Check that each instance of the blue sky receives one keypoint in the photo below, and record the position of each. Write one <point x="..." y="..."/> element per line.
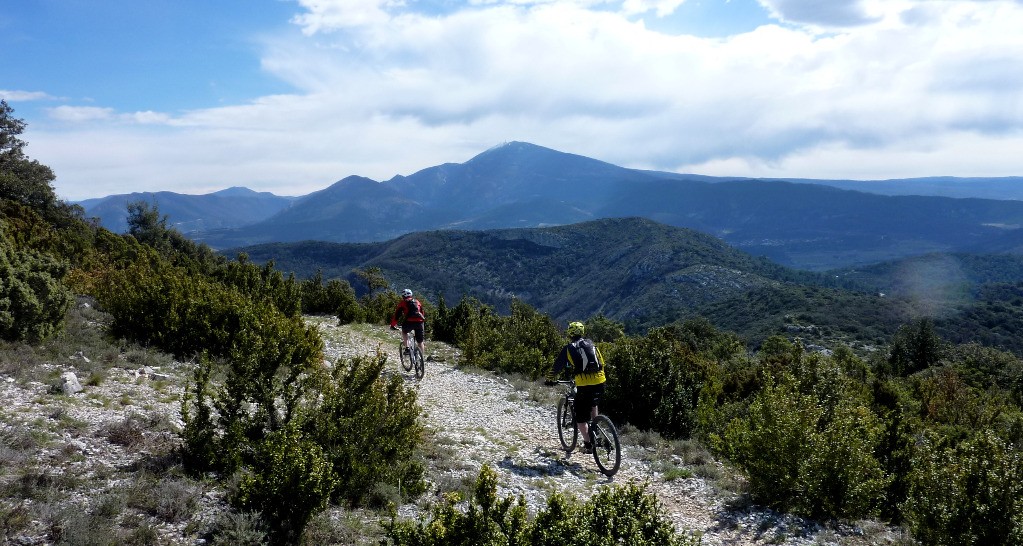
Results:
<point x="289" y="96"/>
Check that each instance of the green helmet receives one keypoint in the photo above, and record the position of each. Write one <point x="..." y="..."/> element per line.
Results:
<point x="575" y="329"/>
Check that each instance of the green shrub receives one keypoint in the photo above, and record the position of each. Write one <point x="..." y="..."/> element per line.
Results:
<point x="967" y="494"/>
<point x="33" y="297"/>
<point x="603" y="329"/>
<point x="156" y="303"/>
<point x="289" y="480"/>
<point x="525" y="342"/>
<point x="262" y="284"/>
<point x="471" y="324"/>
<point x="172" y="499"/>
<point x="798" y="460"/>
<point x="615" y="515"/>
<point x="379" y="307"/>
<point x="337" y="297"/>
<point x="443" y="329"/>
<point x="915" y="347"/>
<point x="370" y="430"/>
<point x="299" y="441"/>
<point x="655" y="382"/>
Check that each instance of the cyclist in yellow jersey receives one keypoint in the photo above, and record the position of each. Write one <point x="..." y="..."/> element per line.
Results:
<point x="582" y="357"/>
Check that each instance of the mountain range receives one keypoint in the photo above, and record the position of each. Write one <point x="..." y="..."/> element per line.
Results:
<point x="805" y="224"/>
<point x="189" y="214"/>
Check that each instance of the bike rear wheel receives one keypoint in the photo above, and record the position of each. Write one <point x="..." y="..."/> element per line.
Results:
<point x="406" y="359"/>
<point x="420" y="364"/>
<point x="568" y="434"/>
<point x="607" y="449"/>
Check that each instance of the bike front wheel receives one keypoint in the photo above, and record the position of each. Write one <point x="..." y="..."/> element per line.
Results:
<point x="420" y="364"/>
<point x="607" y="449"/>
<point x="406" y="359"/>
<point x="568" y="434"/>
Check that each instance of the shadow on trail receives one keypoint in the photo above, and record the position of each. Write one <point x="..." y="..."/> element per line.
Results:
<point x="550" y="465"/>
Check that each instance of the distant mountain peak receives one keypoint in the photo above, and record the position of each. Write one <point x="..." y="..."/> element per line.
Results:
<point x="352" y="180"/>
<point x="516" y="148"/>
<point x="234" y="191"/>
<point x="516" y="145"/>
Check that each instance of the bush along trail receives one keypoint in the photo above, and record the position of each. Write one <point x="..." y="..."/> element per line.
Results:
<point x="476" y="418"/>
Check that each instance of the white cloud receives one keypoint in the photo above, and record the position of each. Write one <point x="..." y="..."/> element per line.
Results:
<point x="13" y="95"/>
<point x="962" y="154"/>
<point x="78" y="114"/>
<point x="661" y="7"/>
<point x="149" y="117"/>
<point x="328" y="15"/>
<point x="830" y="13"/>
<point x="893" y="88"/>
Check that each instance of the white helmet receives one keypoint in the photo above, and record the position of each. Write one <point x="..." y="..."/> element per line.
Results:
<point x="406" y="293"/>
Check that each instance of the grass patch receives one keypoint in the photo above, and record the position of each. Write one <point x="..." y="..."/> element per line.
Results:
<point x="38" y="485"/>
<point x="127" y="432"/>
<point x="171" y="499"/>
<point x="337" y="527"/>
<point x="533" y="391"/>
<point x="96" y="378"/>
<point x="232" y="528"/>
<point x="443" y="453"/>
<point x="676" y="473"/>
<point x="20" y="361"/>
<point x="14" y="518"/>
<point x="138" y="357"/>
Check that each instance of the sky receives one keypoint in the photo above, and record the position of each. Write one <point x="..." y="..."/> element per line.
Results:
<point x="289" y="96"/>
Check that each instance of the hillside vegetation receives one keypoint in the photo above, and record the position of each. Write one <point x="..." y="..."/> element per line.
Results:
<point x="645" y="274"/>
<point x="919" y="432"/>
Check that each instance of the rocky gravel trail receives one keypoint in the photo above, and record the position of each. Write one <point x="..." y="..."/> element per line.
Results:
<point x="488" y="420"/>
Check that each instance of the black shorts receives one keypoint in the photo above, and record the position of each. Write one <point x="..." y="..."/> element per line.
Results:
<point x="587" y="398"/>
<point x="416" y="327"/>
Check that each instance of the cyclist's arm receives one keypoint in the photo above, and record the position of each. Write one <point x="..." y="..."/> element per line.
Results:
<point x="560" y="363"/>
<point x="397" y="311"/>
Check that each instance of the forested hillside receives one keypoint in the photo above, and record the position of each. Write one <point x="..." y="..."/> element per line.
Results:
<point x="644" y="274"/>
<point x="633" y="270"/>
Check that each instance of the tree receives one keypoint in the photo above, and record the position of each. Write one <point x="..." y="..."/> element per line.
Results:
<point x="22" y="180"/>
<point x="10" y="128"/>
<point x="373" y="277"/>
<point x="915" y="347"/>
<point x="147" y="226"/>
<point x="601" y="328"/>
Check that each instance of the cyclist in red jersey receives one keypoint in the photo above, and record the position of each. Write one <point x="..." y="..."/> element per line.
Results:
<point x="414" y="321"/>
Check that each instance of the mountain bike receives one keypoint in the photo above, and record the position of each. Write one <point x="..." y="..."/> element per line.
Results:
<point x="411" y="357"/>
<point x="607" y="449"/>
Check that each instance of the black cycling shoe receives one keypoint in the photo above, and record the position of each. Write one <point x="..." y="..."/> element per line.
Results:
<point x="587" y="448"/>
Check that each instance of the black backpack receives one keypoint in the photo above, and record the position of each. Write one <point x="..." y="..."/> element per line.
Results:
<point x="413" y="309"/>
<point x="586" y="358"/>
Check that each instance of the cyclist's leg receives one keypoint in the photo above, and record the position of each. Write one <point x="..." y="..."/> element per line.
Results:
<point x="420" y="331"/>
<point x="406" y="327"/>
<point x="583" y="408"/>
<point x="598" y="394"/>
